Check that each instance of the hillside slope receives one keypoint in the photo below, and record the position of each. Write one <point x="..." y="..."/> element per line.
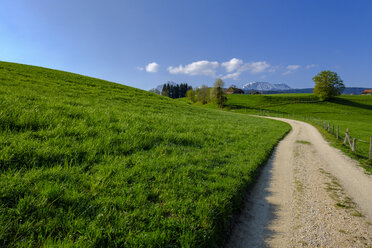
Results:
<point x="85" y="162"/>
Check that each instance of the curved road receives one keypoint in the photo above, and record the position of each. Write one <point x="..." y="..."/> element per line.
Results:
<point x="308" y="195"/>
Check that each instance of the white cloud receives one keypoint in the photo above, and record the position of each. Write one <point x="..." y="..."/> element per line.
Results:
<point x="203" y="67"/>
<point x="152" y="67"/>
<point x="291" y="69"/>
<point x="275" y="68"/>
<point x="256" y="67"/>
<point x="140" y="68"/>
<point x="234" y="75"/>
<point x="232" y="65"/>
<point x="234" y="68"/>
<point x="252" y="67"/>
<point x="311" y="66"/>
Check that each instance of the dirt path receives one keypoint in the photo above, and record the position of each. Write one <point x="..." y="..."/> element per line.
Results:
<point x="308" y="195"/>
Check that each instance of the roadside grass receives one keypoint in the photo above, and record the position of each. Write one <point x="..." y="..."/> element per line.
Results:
<point x="90" y="163"/>
<point x="353" y="112"/>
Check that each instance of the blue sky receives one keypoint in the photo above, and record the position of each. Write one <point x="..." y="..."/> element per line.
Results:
<point x="146" y="43"/>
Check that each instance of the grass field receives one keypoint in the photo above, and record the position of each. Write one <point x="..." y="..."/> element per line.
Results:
<point x="353" y="112"/>
<point x="90" y="163"/>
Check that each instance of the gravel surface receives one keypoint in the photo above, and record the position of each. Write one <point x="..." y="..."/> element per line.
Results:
<point x="308" y="195"/>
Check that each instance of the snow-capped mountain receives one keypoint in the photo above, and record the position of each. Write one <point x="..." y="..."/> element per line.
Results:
<point x="264" y="86"/>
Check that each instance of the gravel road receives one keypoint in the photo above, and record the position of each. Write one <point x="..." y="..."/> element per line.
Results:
<point x="308" y="195"/>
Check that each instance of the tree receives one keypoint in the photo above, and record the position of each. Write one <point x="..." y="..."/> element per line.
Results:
<point x="176" y="93"/>
<point x="203" y="94"/>
<point x="218" y="95"/>
<point x="168" y="90"/>
<point x="183" y="90"/>
<point x="327" y="85"/>
<point x="171" y="91"/>
<point x="191" y="95"/>
<point x="164" y="91"/>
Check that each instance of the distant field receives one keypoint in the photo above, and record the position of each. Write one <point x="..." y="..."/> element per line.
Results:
<point x="90" y="163"/>
<point x="353" y="112"/>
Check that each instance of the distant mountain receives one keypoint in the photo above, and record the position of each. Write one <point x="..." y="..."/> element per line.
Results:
<point x="347" y="91"/>
<point x="264" y="86"/>
<point x="305" y="90"/>
<point x="282" y="86"/>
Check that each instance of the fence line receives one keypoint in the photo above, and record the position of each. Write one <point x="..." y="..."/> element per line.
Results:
<point x="370" y="149"/>
<point x="348" y="140"/>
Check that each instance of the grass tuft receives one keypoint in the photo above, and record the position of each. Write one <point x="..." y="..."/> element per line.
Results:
<point x="303" y="142"/>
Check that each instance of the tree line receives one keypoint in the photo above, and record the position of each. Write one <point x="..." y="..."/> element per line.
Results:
<point x="327" y="85"/>
<point x="205" y="95"/>
<point x="175" y="91"/>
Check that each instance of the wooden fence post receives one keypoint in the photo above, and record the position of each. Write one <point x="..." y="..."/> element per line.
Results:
<point x="348" y="139"/>
<point x="354" y="145"/>
<point x="346" y="135"/>
<point x="337" y="132"/>
<point x="328" y="127"/>
<point x="370" y="149"/>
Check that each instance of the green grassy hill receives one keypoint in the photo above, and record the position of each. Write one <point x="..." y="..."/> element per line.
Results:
<point x="90" y="163"/>
<point x="353" y="112"/>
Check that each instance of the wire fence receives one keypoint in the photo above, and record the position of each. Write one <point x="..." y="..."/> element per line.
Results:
<point x="348" y="140"/>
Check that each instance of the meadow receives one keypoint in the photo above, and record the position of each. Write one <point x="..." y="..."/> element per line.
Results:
<point x="89" y="163"/>
<point x="346" y="111"/>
